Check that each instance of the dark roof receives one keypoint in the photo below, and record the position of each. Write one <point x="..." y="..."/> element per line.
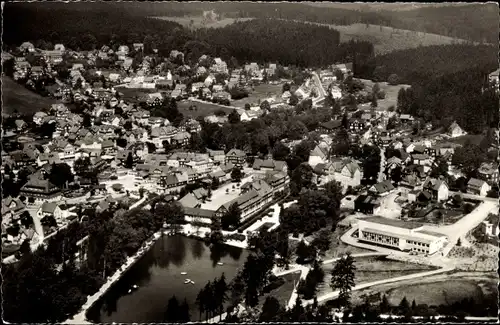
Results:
<point x="199" y="212"/>
<point x="384" y="186"/>
<point x="330" y="125"/>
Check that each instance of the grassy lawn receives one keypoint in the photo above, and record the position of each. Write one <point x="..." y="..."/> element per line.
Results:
<point x="339" y="248"/>
<point x="199" y="23"/>
<point x="284" y="291"/>
<point x="473" y="138"/>
<point x="370" y="269"/>
<point x="132" y="94"/>
<point x="261" y="92"/>
<point x="437" y="293"/>
<point x="17" y="97"/>
<point x="202" y="109"/>
<point x="391" y="94"/>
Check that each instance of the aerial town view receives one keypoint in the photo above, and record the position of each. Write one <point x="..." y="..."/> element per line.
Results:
<point x="249" y="162"/>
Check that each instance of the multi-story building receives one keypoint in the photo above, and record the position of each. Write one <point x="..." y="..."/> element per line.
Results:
<point x="400" y="235"/>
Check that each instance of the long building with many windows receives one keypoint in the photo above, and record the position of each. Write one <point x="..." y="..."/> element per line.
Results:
<point x="400" y="235"/>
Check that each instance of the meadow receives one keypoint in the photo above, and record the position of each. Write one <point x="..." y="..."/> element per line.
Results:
<point x="16" y="97"/>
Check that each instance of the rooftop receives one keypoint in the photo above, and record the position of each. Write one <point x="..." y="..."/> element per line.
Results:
<point x="393" y="222"/>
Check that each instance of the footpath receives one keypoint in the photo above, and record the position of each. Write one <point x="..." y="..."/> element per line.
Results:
<point x="80" y="318"/>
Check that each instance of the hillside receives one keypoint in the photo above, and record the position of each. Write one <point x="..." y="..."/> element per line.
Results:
<point x="16" y="97"/>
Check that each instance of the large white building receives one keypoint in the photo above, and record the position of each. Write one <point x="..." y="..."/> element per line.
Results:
<point x="400" y="235"/>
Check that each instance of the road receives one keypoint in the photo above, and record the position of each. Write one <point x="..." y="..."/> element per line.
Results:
<point x="473" y="197"/>
<point x="464" y="225"/>
<point x="334" y="294"/>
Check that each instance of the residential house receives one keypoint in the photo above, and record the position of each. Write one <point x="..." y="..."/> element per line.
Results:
<point x="181" y="139"/>
<point x="199" y="216"/>
<point x="247" y="115"/>
<point x="478" y="187"/>
<point x="437" y="188"/>
<point x="406" y="119"/>
<point x="356" y="124"/>
<point x="269" y="165"/>
<point x="12" y="208"/>
<point x="217" y="156"/>
<point x="329" y="127"/>
<point x="493" y="77"/>
<point x="366" y="204"/>
<point x="27" y="46"/>
<point x="49" y="209"/>
<point x="319" y="155"/>
<point x="488" y="172"/>
<point x="345" y="171"/>
<point x="455" y="130"/>
<point x="40" y="189"/>
<point x="382" y="188"/>
<point x="422" y="160"/>
<point x="220" y="175"/>
<point x="219" y="66"/>
<point x="189" y="201"/>
<point x="236" y="157"/>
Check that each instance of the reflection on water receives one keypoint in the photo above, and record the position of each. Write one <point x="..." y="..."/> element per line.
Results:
<point x="157" y="275"/>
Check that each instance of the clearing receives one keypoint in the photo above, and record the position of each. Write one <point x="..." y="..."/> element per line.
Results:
<point x="195" y="22"/>
<point x="391" y="94"/>
<point x="388" y="39"/>
<point x="369" y="269"/>
<point x="338" y="248"/>
<point x="17" y="97"/>
<point x="434" y="290"/>
<point x="202" y="108"/>
<point x="260" y="92"/>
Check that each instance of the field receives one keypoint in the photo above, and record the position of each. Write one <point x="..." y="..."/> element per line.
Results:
<point x="370" y="269"/>
<point x="434" y="290"/>
<point x="198" y="21"/>
<point x="260" y="92"/>
<point x="202" y="109"/>
<point x="388" y="39"/>
<point x="17" y="97"/>
<point x="391" y="94"/>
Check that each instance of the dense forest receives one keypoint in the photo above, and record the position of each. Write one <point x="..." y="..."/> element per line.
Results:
<point x="448" y="82"/>
<point x="475" y="22"/>
<point x="260" y="40"/>
<point x="424" y="63"/>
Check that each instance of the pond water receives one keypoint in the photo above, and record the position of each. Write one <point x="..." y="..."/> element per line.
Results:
<point x="158" y="277"/>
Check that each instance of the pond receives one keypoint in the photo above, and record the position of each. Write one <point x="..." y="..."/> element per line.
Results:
<point x="158" y="277"/>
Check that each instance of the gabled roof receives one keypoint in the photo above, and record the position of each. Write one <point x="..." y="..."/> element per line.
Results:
<point x="277" y="165"/>
<point x="475" y="183"/>
<point x="236" y="153"/>
<point x="384" y="187"/>
<point x="331" y="125"/>
<point x="189" y="201"/>
<point x="433" y="184"/>
<point x="49" y="207"/>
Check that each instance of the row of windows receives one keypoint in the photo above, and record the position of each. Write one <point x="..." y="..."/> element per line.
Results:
<point x="381" y="238"/>
<point x="412" y="242"/>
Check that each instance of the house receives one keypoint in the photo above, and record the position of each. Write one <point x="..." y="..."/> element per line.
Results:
<point x="189" y="201"/>
<point x="49" y="209"/>
<point x="393" y="162"/>
<point x="12" y="207"/>
<point x="40" y="189"/>
<point x="406" y="119"/>
<point x="329" y="127"/>
<point x="269" y="165"/>
<point x="345" y="171"/>
<point x="382" y="188"/>
<point x="455" y="130"/>
<point x="421" y="159"/>
<point x="489" y="228"/>
<point x="236" y="157"/>
<point x="488" y="172"/>
<point x="478" y="187"/>
<point x="367" y="204"/>
<point x="220" y="175"/>
<point x="217" y="156"/>
<point x="437" y="188"/>
<point x="181" y="139"/>
<point x="318" y="155"/>
<point x="356" y="124"/>
<point x="138" y="46"/>
<point x="199" y="216"/>
<point x="219" y="66"/>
